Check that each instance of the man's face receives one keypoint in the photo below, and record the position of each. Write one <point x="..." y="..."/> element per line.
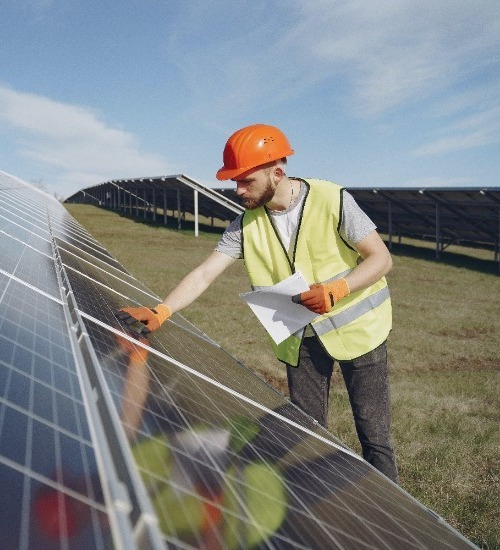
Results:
<point x="255" y="188"/>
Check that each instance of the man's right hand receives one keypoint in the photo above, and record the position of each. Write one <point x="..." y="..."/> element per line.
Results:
<point x="151" y="318"/>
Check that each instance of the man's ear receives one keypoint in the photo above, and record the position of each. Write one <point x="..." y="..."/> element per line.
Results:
<point x="278" y="173"/>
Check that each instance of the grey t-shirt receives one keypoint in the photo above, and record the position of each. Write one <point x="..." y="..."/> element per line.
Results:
<point x="355" y="226"/>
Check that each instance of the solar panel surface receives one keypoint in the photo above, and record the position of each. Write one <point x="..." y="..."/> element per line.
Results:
<point x="108" y="441"/>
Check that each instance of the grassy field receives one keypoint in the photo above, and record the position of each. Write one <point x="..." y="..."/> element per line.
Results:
<point x="444" y="357"/>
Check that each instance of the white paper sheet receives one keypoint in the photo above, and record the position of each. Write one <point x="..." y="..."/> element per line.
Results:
<point x="274" y="308"/>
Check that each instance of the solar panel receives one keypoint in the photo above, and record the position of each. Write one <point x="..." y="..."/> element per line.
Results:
<point x="146" y="197"/>
<point x="107" y="440"/>
<point x="449" y="215"/>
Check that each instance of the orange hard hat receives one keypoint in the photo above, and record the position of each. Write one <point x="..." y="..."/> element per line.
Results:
<point x="250" y="147"/>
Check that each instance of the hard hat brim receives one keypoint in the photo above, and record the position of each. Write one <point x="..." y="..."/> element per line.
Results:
<point x="231" y="173"/>
<point x="226" y="174"/>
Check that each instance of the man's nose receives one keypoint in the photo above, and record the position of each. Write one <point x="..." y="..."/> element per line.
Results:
<point x="240" y="189"/>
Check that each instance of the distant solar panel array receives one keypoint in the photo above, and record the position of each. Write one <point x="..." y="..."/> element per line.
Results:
<point x="110" y="441"/>
<point x="152" y="198"/>
<point x="444" y="215"/>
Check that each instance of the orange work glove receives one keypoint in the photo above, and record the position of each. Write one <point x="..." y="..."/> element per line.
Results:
<point x="151" y="318"/>
<point x="321" y="298"/>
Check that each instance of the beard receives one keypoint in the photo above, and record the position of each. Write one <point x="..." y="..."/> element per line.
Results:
<point x="252" y="203"/>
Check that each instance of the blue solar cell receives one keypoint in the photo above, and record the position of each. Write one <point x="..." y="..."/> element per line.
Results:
<point x="12" y="508"/>
<point x="13" y="423"/>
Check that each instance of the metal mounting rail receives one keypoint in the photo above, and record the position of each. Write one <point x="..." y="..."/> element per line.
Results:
<point x="133" y="523"/>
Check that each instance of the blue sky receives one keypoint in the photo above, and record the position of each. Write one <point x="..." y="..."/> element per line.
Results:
<point x="399" y="93"/>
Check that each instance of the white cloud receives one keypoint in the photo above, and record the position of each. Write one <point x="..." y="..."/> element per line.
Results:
<point x="74" y="140"/>
<point x="468" y="132"/>
<point x="386" y="54"/>
<point x="411" y="54"/>
<point x="395" y="52"/>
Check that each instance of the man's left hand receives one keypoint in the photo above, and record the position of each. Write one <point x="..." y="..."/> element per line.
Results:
<point x="321" y="298"/>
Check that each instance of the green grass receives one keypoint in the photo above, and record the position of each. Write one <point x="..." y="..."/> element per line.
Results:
<point x="444" y="357"/>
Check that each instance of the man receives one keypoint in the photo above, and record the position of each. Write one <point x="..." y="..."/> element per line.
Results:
<point x="315" y="227"/>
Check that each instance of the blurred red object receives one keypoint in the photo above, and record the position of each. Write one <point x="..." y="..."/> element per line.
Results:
<point x="58" y="515"/>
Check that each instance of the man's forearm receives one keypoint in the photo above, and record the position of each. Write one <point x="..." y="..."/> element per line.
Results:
<point x="377" y="262"/>
<point x="197" y="281"/>
<point x="187" y="291"/>
<point x="368" y="272"/>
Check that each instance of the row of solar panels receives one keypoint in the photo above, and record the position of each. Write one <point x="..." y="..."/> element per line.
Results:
<point x="447" y="215"/>
<point x="109" y="441"/>
<point x="145" y="197"/>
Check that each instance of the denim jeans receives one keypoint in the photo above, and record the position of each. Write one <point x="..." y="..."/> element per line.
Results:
<point x="367" y="382"/>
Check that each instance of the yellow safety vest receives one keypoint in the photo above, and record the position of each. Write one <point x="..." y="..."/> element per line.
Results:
<point x="359" y="322"/>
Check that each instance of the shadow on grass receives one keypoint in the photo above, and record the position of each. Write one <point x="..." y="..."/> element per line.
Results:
<point x="454" y="259"/>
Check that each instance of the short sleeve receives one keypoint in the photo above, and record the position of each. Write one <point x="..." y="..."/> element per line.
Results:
<point x="231" y="242"/>
<point x="355" y="225"/>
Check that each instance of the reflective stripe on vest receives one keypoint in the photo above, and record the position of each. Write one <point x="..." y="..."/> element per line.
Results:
<point x="352" y="313"/>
